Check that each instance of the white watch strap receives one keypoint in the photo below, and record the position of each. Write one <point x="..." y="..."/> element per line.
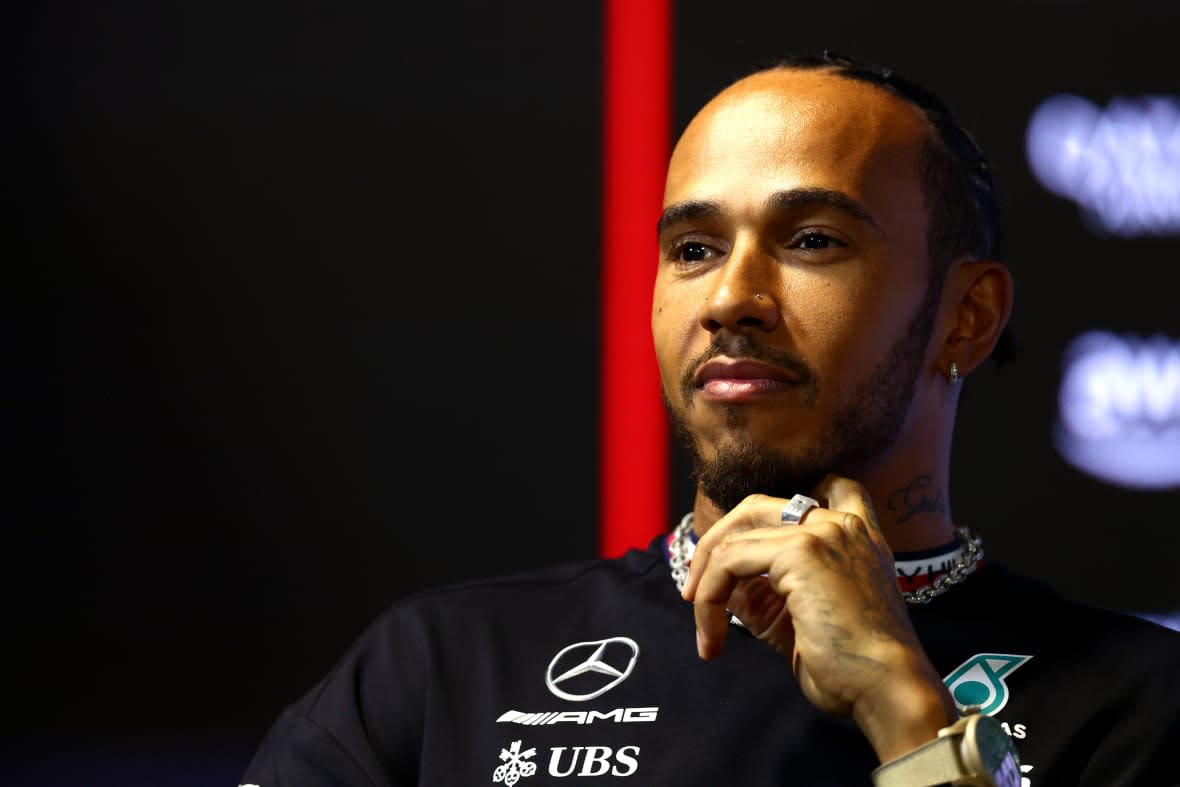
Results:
<point x="934" y="762"/>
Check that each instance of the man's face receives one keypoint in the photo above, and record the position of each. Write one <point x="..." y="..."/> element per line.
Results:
<point x="789" y="315"/>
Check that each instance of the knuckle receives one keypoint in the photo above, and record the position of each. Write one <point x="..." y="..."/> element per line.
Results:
<point x="825" y="530"/>
<point x="711" y="596"/>
<point x="748" y="509"/>
<point x="810" y="541"/>
<point x="723" y="552"/>
<point x="857" y="525"/>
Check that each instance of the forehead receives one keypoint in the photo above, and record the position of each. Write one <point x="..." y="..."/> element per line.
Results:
<point x="787" y="129"/>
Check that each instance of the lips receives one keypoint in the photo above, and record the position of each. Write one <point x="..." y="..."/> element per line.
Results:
<point x="742" y="370"/>
<point x="730" y="378"/>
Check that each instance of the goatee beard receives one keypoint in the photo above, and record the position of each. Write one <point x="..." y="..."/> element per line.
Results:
<point x="741" y="469"/>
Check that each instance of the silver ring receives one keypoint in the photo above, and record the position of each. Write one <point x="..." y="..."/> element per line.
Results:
<point x="799" y="505"/>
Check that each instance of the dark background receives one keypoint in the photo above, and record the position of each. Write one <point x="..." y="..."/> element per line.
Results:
<point x="302" y="318"/>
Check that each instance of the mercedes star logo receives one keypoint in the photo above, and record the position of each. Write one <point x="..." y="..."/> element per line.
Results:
<point x="598" y="662"/>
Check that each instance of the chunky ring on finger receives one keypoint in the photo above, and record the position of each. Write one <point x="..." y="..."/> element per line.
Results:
<point x="799" y="505"/>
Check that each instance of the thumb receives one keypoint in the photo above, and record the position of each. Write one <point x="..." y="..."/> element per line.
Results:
<point x="844" y="494"/>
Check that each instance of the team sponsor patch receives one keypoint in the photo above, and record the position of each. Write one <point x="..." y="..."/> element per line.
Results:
<point x="618" y="715"/>
<point x="565" y="761"/>
<point x="585" y="670"/>
<point x="980" y="681"/>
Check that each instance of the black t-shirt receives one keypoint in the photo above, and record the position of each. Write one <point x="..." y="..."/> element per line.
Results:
<point x="587" y="673"/>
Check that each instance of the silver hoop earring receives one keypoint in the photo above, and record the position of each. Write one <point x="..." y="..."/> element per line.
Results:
<point x="954" y="373"/>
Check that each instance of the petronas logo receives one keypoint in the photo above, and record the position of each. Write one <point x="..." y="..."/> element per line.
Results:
<point x="980" y="681"/>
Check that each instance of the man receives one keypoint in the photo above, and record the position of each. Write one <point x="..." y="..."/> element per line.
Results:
<point x="827" y="277"/>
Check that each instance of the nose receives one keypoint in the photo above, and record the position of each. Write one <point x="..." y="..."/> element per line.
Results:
<point x="745" y="294"/>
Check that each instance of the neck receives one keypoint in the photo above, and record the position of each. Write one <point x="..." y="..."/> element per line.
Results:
<point x="913" y="511"/>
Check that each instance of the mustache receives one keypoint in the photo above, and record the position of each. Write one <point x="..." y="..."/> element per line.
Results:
<point x="745" y="347"/>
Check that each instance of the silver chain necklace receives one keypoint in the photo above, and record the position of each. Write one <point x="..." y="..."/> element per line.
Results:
<point x="681" y="549"/>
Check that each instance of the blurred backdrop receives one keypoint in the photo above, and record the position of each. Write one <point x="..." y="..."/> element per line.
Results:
<point x="303" y="316"/>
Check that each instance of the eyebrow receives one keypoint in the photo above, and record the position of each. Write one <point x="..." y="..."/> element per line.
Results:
<point x="783" y="201"/>
<point x="779" y="202"/>
<point x="693" y="210"/>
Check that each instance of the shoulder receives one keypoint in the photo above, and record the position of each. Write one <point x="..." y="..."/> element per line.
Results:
<point x="550" y="585"/>
<point x="427" y="650"/>
<point x="1028" y="596"/>
<point x="1088" y="692"/>
<point x="446" y="623"/>
<point x="1000" y="611"/>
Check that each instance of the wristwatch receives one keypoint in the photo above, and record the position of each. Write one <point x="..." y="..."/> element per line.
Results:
<point x="974" y="751"/>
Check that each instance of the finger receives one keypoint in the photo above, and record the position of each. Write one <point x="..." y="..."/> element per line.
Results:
<point x="844" y="494"/>
<point x="754" y="512"/>
<point x="764" y="614"/>
<point x="759" y="607"/>
<point x="733" y="561"/>
<point x="797" y="508"/>
<point x="816" y="518"/>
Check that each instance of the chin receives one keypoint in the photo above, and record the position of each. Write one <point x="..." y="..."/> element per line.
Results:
<point x="742" y="469"/>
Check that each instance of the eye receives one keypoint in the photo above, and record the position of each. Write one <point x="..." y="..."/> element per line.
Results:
<point x="692" y="251"/>
<point x="815" y="241"/>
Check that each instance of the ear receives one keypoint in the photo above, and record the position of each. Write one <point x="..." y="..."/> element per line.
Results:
<point x="977" y="303"/>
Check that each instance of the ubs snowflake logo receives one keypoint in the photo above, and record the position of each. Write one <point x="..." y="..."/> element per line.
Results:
<point x="514" y="767"/>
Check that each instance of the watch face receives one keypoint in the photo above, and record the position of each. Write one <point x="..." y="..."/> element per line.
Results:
<point x="997" y="754"/>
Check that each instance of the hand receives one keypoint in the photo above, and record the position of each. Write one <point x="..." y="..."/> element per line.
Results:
<point x="824" y="594"/>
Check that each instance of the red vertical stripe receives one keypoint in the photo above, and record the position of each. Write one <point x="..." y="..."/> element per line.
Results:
<point x="634" y="449"/>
